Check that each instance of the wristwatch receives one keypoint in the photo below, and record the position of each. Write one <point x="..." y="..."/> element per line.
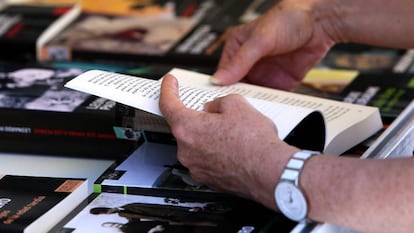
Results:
<point x="288" y="195"/>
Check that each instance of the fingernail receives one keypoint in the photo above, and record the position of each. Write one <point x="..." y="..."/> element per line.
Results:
<point x="215" y="80"/>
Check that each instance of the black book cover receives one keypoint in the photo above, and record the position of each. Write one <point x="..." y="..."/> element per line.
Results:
<point x="21" y="27"/>
<point x="390" y="92"/>
<point x="40" y="114"/>
<point x="36" y="204"/>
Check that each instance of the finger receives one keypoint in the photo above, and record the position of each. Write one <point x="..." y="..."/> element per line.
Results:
<point x="235" y="68"/>
<point x="226" y="104"/>
<point x="170" y="102"/>
<point x="239" y="61"/>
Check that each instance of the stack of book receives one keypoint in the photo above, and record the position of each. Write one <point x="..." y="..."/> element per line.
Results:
<point x="139" y="185"/>
<point x="40" y="115"/>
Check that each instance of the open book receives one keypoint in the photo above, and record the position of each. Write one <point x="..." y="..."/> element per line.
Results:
<point x="304" y="121"/>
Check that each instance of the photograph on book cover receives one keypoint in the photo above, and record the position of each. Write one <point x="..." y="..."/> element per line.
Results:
<point x="40" y="115"/>
<point x="38" y="88"/>
<point x="119" y="35"/>
<point x="151" y="168"/>
<point x="111" y="212"/>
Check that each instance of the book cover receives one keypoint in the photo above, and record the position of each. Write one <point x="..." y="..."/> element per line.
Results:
<point x="148" y="8"/>
<point x="390" y="92"/>
<point x="153" y="169"/>
<point x="114" y="212"/>
<point x="99" y="36"/>
<point x="36" y="204"/>
<point x="326" y="83"/>
<point x="203" y="44"/>
<point x="406" y="62"/>
<point x="194" y="35"/>
<point x="40" y="115"/>
<point x="23" y="25"/>
<point x="364" y="58"/>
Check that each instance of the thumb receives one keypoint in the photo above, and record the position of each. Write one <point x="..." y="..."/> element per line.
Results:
<point x="169" y="102"/>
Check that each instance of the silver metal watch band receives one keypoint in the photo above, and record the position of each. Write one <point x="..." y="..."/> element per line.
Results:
<point x="295" y="164"/>
<point x="288" y="194"/>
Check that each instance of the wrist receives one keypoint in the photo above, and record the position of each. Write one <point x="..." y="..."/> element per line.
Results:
<point x="330" y="17"/>
<point x="289" y="194"/>
<point x="276" y="157"/>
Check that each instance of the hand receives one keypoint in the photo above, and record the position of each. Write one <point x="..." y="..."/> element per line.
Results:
<point x="275" y="50"/>
<point x="229" y="147"/>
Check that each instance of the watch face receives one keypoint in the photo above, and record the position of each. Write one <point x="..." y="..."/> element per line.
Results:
<point x="291" y="201"/>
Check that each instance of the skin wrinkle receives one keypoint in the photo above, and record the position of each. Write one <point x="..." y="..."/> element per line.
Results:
<point x="330" y="23"/>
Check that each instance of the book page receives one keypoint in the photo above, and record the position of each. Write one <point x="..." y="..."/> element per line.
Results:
<point x="340" y="117"/>
<point x="144" y="94"/>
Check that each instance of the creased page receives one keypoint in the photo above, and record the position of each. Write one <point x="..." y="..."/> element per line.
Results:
<point x="143" y="94"/>
<point x="347" y="124"/>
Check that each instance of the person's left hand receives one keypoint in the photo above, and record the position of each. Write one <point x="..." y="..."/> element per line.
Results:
<point x="229" y="146"/>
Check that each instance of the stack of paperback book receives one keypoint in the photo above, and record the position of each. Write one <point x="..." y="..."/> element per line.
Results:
<point x="40" y="115"/>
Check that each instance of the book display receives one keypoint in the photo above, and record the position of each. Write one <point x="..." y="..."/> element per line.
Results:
<point x="85" y="148"/>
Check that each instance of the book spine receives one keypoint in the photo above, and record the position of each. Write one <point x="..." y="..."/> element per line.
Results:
<point x="91" y="148"/>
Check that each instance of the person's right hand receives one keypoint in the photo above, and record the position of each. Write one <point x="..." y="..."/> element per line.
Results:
<point x="275" y="50"/>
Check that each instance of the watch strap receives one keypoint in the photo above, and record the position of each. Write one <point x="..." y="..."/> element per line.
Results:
<point x="289" y="185"/>
<point x="295" y="165"/>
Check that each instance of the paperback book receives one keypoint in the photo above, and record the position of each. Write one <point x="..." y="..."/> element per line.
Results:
<point x="32" y="204"/>
<point x="94" y="36"/>
<point x="40" y="115"/>
<point x="153" y="169"/>
<point x="335" y="126"/>
<point x="114" y="212"/>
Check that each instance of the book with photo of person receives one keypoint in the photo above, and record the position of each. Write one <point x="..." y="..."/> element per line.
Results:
<point x="114" y="212"/>
<point x="40" y="115"/>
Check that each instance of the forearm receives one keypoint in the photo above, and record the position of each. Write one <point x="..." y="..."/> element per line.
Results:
<point x="367" y="195"/>
<point x="375" y="22"/>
